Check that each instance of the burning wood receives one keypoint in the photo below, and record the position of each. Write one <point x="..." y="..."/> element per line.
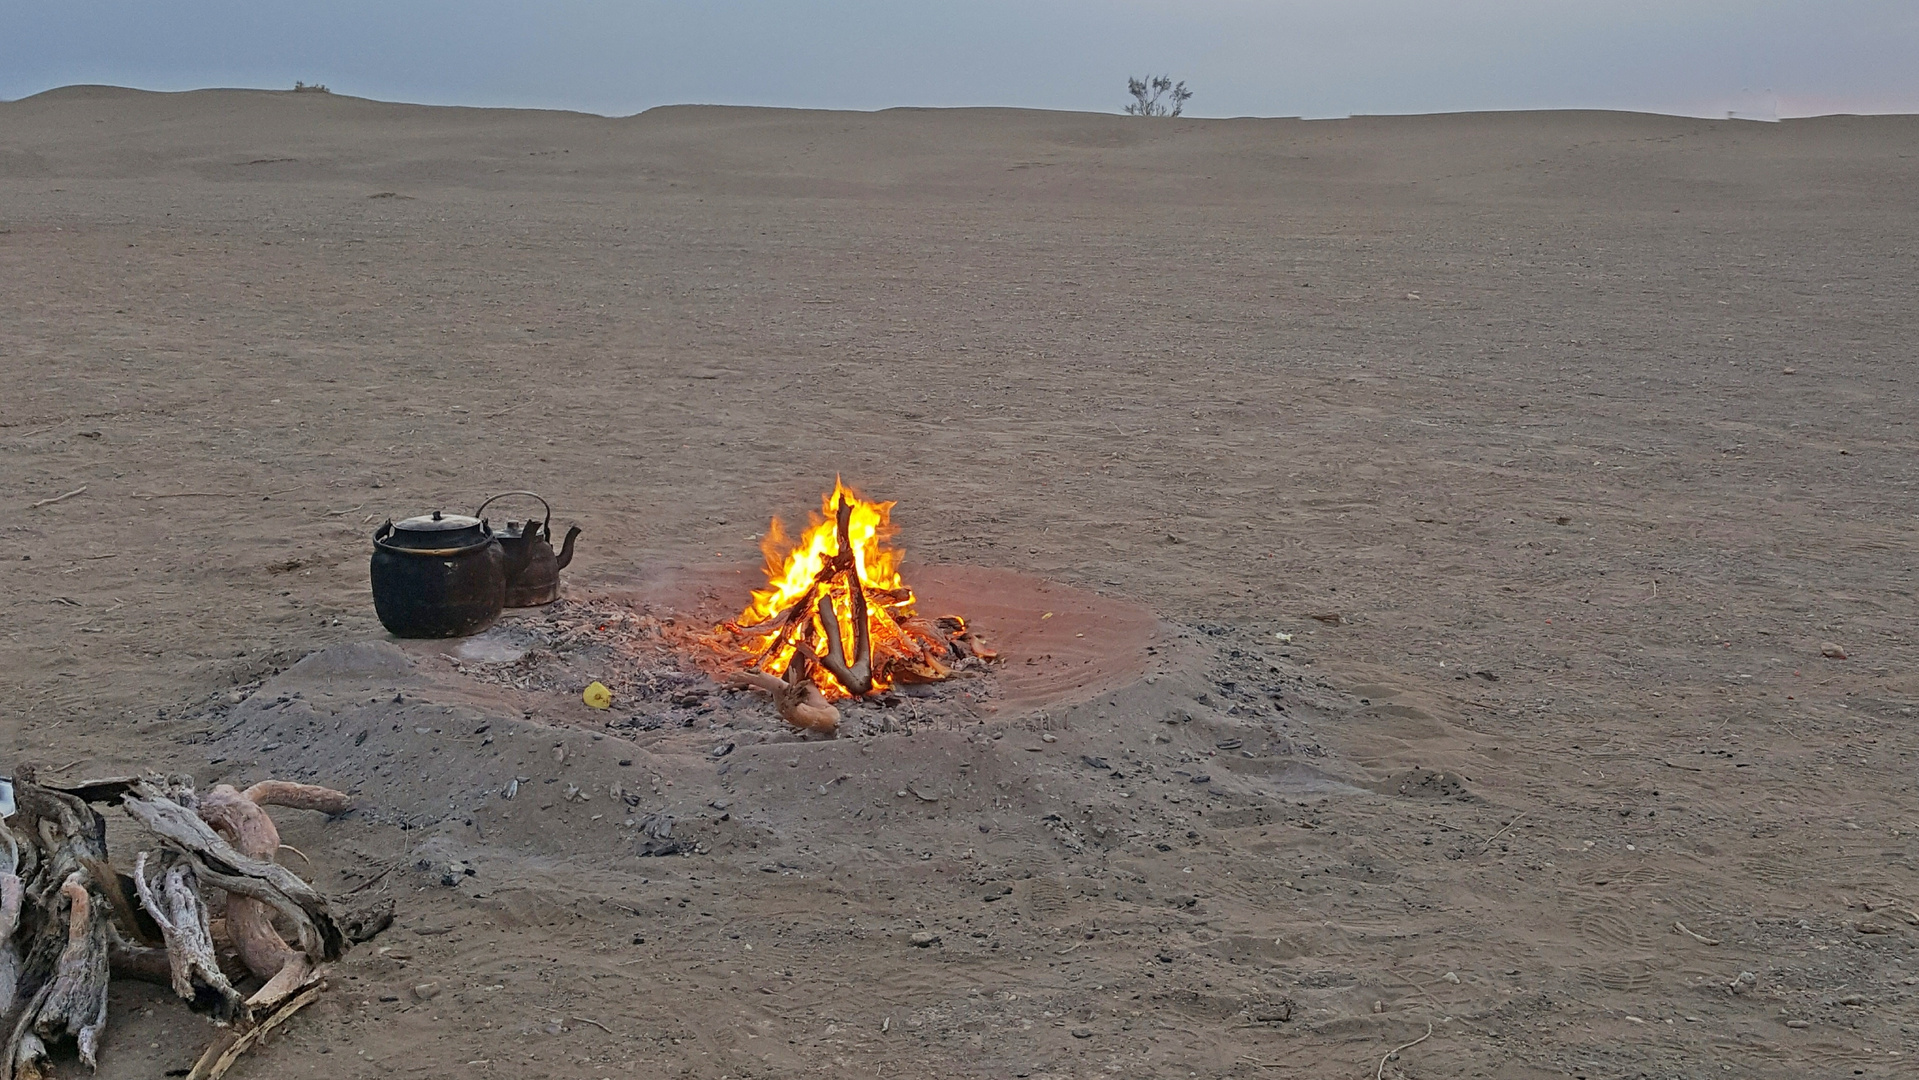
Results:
<point x="839" y="584"/>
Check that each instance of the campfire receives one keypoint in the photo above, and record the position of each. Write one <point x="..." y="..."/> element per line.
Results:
<point x="836" y="621"/>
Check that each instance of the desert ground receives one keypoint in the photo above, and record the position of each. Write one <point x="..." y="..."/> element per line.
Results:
<point x="1494" y="538"/>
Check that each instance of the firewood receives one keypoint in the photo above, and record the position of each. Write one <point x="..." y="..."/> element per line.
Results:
<point x="73" y="1001"/>
<point x="799" y="703"/>
<point x="68" y="835"/>
<point x="249" y="922"/>
<point x="220" y="1056"/>
<point x="69" y="921"/>
<point x="217" y="864"/>
<point x="796" y="617"/>
<point x="299" y="797"/>
<point x="12" y="891"/>
<point x="923" y="669"/>
<point x="64" y="972"/>
<point x="768" y="624"/>
<point x="969" y="644"/>
<point x="855" y="673"/>
<point x="194" y="966"/>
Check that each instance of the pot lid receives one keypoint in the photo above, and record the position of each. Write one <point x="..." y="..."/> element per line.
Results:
<point x="436" y="522"/>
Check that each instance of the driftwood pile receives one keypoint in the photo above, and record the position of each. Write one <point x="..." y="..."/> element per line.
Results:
<point x="69" y="921"/>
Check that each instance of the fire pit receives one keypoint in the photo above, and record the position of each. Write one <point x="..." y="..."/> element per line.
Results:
<point x="675" y="645"/>
<point x="839" y="583"/>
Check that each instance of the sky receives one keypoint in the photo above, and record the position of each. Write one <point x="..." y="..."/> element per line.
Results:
<point x="1239" y="57"/>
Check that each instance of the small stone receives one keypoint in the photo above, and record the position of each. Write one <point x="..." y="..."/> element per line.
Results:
<point x="1049" y="738"/>
<point x="1797" y="1024"/>
<point x="1831" y="651"/>
<point x="1744" y="983"/>
<point x="426" y="991"/>
<point x="1082" y="1033"/>
<point x="923" y="939"/>
<point x="1451" y="977"/>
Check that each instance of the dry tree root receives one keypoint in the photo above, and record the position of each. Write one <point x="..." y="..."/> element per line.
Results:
<point x="299" y="797"/>
<point x="239" y="818"/>
<point x="75" y="1002"/>
<point x="250" y="922"/>
<point x="192" y="964"/>
<point x="12" y="891"/>
<point x="218" y="864"/>
<point x="68" y="920"/>
<point x="64" y="973"/>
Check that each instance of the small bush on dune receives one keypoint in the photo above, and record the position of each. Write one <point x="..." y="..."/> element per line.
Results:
<point x="315" y="88"/>
<point x="1157" y="96"/>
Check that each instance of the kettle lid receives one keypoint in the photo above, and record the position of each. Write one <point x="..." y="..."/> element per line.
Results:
<point x="436" y="522"/>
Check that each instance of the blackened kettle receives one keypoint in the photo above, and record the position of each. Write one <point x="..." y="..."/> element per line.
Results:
<point x="438" y="576"/>
<point x="532" y="566"/>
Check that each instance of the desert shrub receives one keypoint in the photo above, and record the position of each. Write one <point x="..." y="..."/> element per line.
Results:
<point x="1157" y="95"/>
<point x="315" y="88"/>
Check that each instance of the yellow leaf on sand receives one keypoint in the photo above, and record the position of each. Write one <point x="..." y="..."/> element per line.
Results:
<point x="598" y="696"/>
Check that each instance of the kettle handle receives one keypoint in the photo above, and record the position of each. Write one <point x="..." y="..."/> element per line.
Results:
<point x="546" y="527"/>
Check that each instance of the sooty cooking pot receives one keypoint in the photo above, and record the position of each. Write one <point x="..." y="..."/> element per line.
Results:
<point x="437" y="576"/>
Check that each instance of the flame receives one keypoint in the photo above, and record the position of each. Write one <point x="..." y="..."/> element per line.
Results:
<point x="792" y="576"/>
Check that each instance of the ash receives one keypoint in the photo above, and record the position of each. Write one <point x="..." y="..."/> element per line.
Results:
<point x="668" y="671"/>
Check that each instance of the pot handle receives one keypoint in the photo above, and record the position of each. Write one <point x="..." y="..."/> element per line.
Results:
<point x="383" y="531"/>
<point x="547" y="527"/>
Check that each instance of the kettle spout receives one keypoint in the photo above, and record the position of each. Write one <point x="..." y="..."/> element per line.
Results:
<point x="566" y="549"/>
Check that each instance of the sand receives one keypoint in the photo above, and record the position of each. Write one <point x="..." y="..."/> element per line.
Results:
<point x="1593" y="430"/>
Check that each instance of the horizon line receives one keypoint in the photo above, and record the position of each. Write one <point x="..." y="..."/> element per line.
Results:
<point x="1774" y="115"/>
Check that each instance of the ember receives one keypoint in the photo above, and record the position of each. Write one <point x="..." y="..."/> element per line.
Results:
<point x="835" y="619"/>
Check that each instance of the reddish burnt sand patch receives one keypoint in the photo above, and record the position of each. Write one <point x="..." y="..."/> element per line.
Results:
<point x="1058" y="644"/>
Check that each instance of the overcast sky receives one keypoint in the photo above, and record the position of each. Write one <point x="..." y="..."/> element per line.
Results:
<point x="1240" y="57"/>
